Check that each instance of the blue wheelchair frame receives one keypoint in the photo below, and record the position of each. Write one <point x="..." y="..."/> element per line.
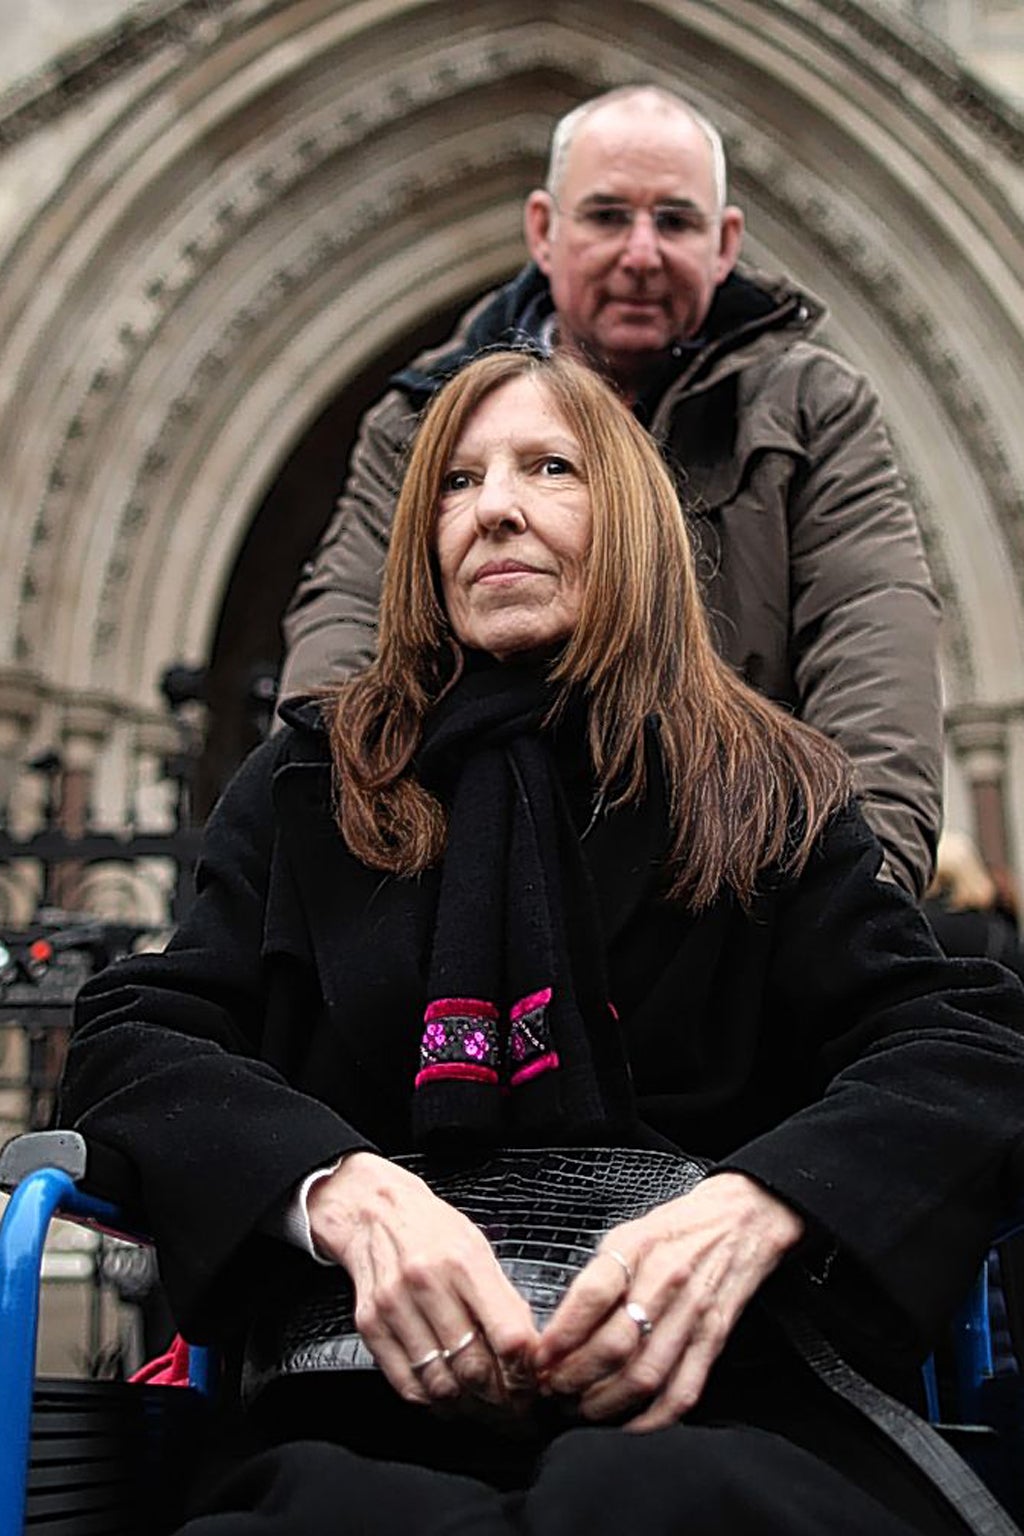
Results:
<point x="42" y="1191"/>
<point x="38" y="1194"/>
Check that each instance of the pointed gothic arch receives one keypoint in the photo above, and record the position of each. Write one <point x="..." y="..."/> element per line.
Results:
<point x="266" y="198"/>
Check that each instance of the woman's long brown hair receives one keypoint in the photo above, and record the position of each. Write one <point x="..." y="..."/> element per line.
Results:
<point x="749" y="786"/>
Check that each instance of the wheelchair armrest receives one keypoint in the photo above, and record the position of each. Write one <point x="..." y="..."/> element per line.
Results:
<point x="101" y="1177"/>
<point x="22" y="1155"/>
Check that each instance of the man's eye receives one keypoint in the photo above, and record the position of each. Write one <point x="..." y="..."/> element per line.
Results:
<point x="673" y="221"/>
<point x="607" y="219"/>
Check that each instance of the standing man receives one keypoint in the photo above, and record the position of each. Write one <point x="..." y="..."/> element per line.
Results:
<point x="810" y="554"/>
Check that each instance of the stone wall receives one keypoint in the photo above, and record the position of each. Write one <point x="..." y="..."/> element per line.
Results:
<point x="218" y="217"/>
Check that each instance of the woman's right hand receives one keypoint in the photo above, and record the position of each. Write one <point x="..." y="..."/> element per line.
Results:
<point x="427" y="1286"/>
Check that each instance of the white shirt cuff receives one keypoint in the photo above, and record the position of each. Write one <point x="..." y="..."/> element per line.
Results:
<point x="291" y="1223"/>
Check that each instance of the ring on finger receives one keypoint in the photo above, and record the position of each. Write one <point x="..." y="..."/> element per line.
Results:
<point x="428" y="1359"/>
<point x="638" y="1315"/>
<point x="459" y="1346"/>
<point x="623" y="1263"/>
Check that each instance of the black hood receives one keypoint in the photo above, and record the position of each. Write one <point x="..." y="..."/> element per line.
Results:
<point x="305" y="715"/>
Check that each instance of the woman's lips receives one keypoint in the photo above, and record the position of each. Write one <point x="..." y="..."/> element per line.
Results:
<point x="504" y="570"/>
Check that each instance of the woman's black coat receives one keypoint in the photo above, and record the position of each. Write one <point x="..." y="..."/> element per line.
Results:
<point x="819" y="1042"/>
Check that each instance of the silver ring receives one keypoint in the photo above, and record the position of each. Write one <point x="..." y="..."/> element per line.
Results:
<point x="428" y="1359"/>
<point x="456" y="1349"/>
<point x="623" y="1263"/>
<point x="636" y="1312"/>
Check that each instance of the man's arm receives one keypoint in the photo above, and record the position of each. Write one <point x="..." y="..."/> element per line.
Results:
<point x="865" y="618"/>
<point x="330" y="627"/>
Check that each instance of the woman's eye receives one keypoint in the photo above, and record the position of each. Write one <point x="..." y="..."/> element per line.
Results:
<point x="554" y="464"/>
<point x="454" y="480"/>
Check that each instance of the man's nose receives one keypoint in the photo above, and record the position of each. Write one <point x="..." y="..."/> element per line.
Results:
<point x="498" y="500"/>
<point x="642" y="250"/>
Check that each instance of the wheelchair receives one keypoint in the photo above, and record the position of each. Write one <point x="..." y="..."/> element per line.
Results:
<point x="80" y="1457"/>
<point x="109" y="1458"/>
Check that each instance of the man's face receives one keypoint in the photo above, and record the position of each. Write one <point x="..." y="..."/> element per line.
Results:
<point x="635" y="244"/>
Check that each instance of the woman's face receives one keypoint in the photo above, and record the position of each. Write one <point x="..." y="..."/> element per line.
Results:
<point x="513" y="524"/>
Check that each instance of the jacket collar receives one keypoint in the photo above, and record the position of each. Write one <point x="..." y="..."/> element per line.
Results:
<point x="511" y="316"/>
<point x="747" y="306"/>
<point x="305" y="716"/>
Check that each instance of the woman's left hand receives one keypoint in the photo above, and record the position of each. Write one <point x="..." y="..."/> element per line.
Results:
<point x="694" y="1264"/>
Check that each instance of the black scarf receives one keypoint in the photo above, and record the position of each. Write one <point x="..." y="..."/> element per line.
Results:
<point x="520" y="1040"/>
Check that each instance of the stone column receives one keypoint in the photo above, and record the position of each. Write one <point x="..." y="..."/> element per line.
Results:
<point x="20" y="700"/>
<point x="978" y="738"/>
<point x="86" y="727"/>
<point x="153" y="793"/>
<point x="154" y="809"/>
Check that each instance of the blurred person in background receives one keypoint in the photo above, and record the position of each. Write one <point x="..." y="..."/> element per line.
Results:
<point x="971" y="910"/>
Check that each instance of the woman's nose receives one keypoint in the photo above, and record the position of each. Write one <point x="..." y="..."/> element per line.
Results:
<point x="498" y="501"/>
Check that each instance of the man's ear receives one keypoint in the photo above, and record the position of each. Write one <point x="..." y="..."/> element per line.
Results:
<point x="730" y="238"/>
<point x="538" y="217"/>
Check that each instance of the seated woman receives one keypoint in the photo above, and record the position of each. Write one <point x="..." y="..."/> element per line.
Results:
<point x="548" y="873"/>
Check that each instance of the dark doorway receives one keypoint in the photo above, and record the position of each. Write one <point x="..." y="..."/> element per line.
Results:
<point x="284" y="532"/>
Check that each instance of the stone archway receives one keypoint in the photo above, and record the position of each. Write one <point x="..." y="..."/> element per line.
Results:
<point x="268" y="197"/>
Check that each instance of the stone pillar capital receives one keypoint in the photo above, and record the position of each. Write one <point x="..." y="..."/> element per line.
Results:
<point x="978" y="736"/>
<point x="159" y="737"/>
<point x="86" y="723"/>
<point x="21" y="696"/>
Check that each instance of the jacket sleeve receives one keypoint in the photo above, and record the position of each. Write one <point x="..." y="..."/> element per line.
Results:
<point x="330" y="627"/>
<point x="908" y="1070"/>
<point x="865" y="618"/>
<point x="164" y="1067"/>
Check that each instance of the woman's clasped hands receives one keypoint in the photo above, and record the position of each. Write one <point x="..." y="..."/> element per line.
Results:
<point x="432" y="1303"/>
<point x="633" y="1339"/>
<point x="641" y="1326"/>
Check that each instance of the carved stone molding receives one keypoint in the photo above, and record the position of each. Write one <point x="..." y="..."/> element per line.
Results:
<point x="79" y="715"/>
<point x="275" y="172"/>
<point x="885" y="42"/>
<point x="21" y="693"/>
<point x="905" y="52"/>
<point x="66" y="84"/>
<point x="956" y="638"/>
<point x="147" y="302"/>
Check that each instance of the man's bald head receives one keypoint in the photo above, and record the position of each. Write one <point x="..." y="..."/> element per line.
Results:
<point x="644" y="97"/>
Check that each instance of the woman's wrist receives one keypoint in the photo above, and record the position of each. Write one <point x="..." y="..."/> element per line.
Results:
<point x="337" y="1202"/>
<point x="778" y="1224"/>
